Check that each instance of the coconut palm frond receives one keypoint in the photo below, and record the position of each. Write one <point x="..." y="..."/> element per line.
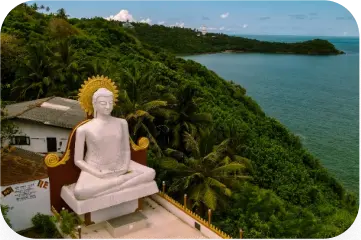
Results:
<point x="176" y="136"/>
<point x="162" y="112"/>
<point x="196" y="192"/>
<point x="123" y="97"/>
<point x="223" y="146"/>
<point x="190" y="178"/>
<point x="244" y="160"/>
<point x="227" y="192"/>
<point x="136" y="127"/>
<point x="191" y="144"/>
<point x="169" y="97"/>
<point x="152" y="140"/>
<point x="215" y="183"/>
<point x="177" y="185"/>
<point x="172" y="165"/>
<point x="243" y="177"/>
<point x="154" y="104"/>
<point x="214" y="156"/>
<point x="226" y="160"/>
<point x="140" y="114"/>
<point x="231" y="167"/>
<point x="209" y="197"/>
<point x="192" y="129"/>
<point x="178" y="155"/>
<point x="202" y="118"/>
<point x="144" y="114"/>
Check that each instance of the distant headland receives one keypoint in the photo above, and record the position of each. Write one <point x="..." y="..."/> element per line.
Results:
<point x="185" y="41"/>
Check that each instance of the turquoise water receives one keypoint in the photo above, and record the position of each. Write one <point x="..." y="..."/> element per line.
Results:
<point x="316" y="97"/>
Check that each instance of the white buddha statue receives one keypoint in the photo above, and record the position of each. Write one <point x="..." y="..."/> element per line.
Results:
<point x="106" y="166"/>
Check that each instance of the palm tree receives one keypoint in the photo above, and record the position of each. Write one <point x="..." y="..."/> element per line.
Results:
<point x="208" y="175"/>
<point x="100" y="67"/>
<point x="34" y="6"/>
<point x="68" y="70"/>
<point x="62" y="14"/>
<point x="47" y="9"/>
<point x="140" y="103"/>
<point x="186" y="118"/>
<point x="34" y="77"/>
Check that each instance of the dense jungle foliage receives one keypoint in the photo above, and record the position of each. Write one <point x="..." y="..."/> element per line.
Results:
<point x="191" y="41"/>
<point x="208" y="138"/>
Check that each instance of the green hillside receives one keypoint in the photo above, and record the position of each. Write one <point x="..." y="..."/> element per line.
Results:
<point x="208" y="138"/>
<point x="189" y="41"/>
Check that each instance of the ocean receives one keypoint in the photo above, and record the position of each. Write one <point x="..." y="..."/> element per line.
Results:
<point x="316" y="97"/>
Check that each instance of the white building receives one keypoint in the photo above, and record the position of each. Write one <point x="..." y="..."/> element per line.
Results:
<point x="24" y="187"/>
<point x="204" y="30"/>
<point x="44" y="124"/>
<point x="127" y="24"/>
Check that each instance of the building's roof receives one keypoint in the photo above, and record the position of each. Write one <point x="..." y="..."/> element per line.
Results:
<point x="54" y="111"/>
<point x="19" y="166"/>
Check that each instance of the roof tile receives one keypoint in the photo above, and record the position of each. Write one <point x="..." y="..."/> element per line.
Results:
<point x="32" y="110"/>
<point x="19" y="166"/>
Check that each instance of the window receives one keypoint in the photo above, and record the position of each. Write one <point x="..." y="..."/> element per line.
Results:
<point x="20" y="140"/>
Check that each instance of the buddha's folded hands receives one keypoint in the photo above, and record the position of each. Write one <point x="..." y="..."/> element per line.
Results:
<point x="109" y="173"/>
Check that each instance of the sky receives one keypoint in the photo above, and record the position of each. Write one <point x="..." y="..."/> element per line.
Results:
<point x="307" y="18"/>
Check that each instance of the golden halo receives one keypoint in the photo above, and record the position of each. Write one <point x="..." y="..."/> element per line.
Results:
<point x="90" y="86"/>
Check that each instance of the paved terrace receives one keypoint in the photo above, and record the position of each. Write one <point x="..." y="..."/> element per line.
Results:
<point x="161" y="224"/>
<point x="166" y="219"/>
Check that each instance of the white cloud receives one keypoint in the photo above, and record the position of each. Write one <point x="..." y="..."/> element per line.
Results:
<point x="178" y="24"/>
<point x="161" y="22"/>
<point x="212" y="28"/>
<point x="122" y="16"/>
<point x="148" y="20"/>
<point x="245" y="25"/>
<point x="225" y="15"/>
<point x="221" y="28"/>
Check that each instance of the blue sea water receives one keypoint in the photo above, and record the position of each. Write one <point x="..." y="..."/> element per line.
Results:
<point x="316" y="97"/>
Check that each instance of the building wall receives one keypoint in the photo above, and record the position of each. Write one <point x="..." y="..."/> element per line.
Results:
<point x="39" y="133"/>
<point x="25" y="200"/>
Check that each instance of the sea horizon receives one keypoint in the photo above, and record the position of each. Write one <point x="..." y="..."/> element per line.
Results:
<point x="291" y="35"/>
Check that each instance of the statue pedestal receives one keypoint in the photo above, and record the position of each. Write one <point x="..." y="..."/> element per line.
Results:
<point x="113" y="212"/>
<point x="126" y="224"/>
<point x="110" y="205"/>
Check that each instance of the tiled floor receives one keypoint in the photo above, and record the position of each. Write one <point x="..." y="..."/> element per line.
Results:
<point x="161" y="224"/>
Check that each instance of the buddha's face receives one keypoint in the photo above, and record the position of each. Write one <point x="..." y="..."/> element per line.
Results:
<point x="104" y="105"/>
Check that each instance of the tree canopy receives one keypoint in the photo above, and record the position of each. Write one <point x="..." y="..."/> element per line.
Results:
<point x="189" y="41"/>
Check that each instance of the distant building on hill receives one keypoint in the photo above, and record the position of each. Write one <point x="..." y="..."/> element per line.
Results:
<point x="204" y="30"/>
<point x="24" y="187"/>
<point x="127" y="24"/>
<point x="44" y="124"/>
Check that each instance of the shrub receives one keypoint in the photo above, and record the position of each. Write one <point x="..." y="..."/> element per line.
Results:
<point x="4" y="211"/>
<point x="44" y="225"/>
<point x="68" y="222"/>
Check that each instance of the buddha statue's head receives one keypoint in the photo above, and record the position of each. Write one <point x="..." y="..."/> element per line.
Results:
<point x="102" y="102"/>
